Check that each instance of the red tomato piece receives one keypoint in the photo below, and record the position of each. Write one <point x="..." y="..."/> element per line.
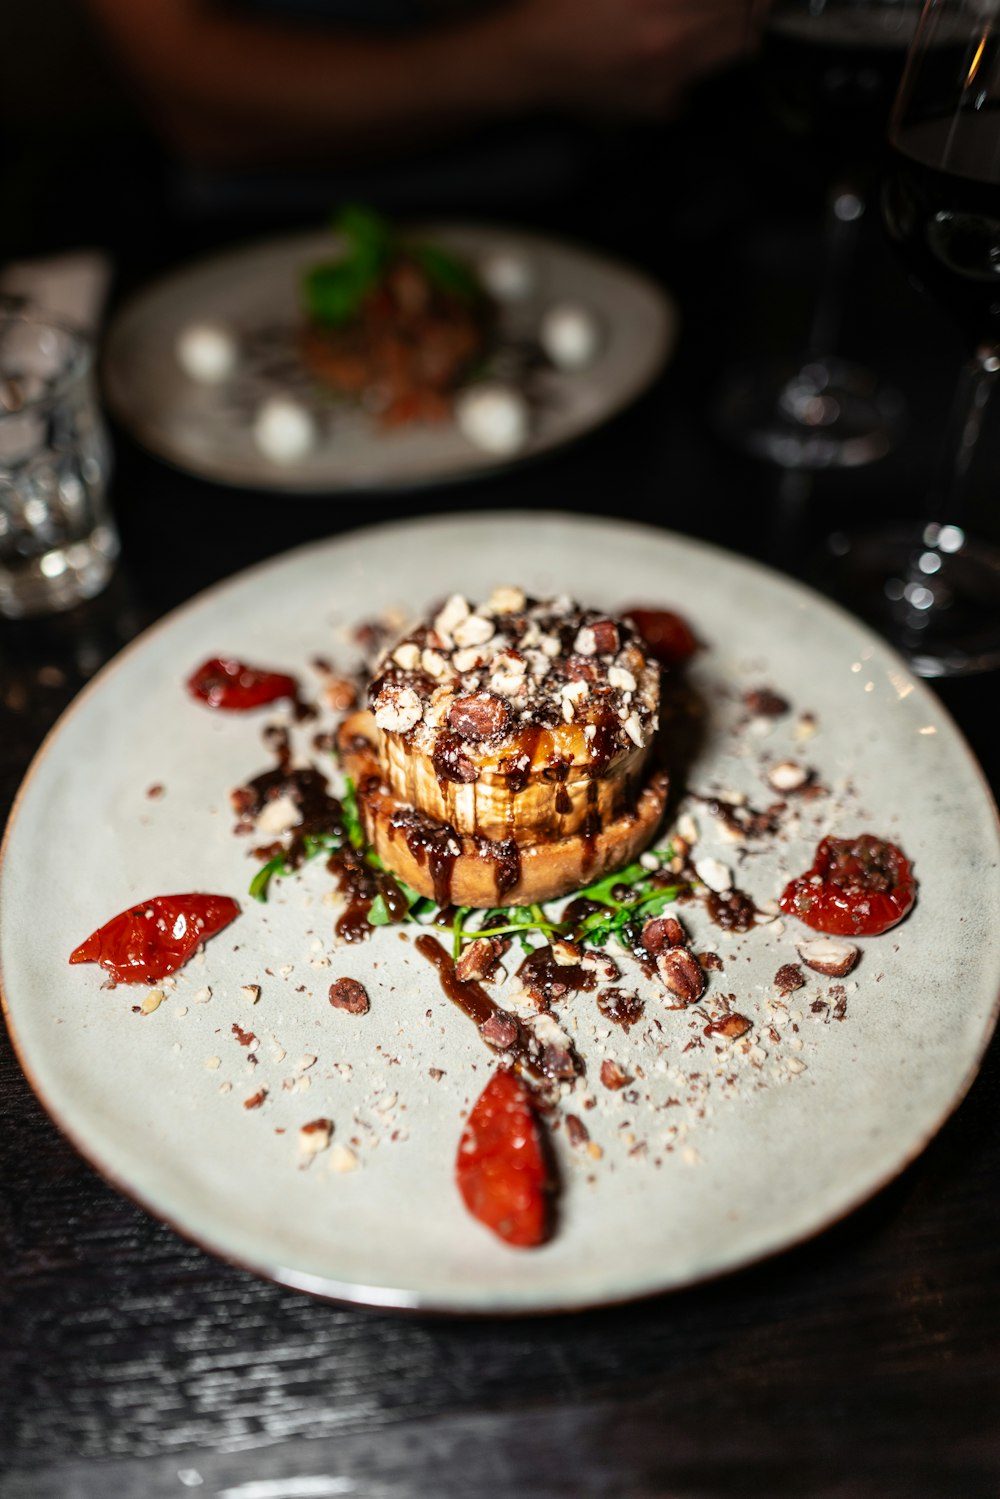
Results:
<point x="668" y="636"/>
<point x="153" y="939"/>
<point x="235" y="687"/>
<point x="501" y="1166"/>
<point x="857" y="887"/>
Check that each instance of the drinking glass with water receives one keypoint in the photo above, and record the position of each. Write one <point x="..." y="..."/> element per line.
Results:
<point x="58" y="542"/>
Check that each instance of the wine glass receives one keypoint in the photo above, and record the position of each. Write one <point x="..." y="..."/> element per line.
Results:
<point x="830" y="70"/>
<point x="931" y="587"/>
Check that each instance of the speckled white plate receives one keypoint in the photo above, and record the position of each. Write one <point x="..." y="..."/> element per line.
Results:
<point x="208" y="430"/>
<point x="710" y="1160"/>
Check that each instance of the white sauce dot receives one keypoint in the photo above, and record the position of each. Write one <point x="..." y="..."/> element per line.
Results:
<point x="206" y="352"/>
<point x="508" y="275"/>
<point x="493" y="417"/>
<point x="283" y="429"/>
<point x="570" y="336"/>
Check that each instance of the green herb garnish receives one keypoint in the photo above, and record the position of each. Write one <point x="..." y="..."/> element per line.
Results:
<point x="334" y="291"/>
<point x="622" y="898"/>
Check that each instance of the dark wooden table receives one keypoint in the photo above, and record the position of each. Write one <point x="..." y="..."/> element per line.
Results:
<point x="864" y="1363"/>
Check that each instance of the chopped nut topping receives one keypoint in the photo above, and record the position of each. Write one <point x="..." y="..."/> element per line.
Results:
<point x="315" y="1136"/>
<point x="716" y="875"/>
<point x="474" y="631"/>
<point x="397" y="709"/>
<point x="633" y="728"/>
<point x="788" y="775"/>
<point x="545" y="662"/>
<point x="479" y="960"/>
<point x="343" y="1159"/>
<point x="681" y="973"/>
<point x="788" y="978"/>
<point x="480" y="716"/>
<point x="506" y="600"/>
<point x="605" y="633"/>
<point x="832" y="956"/>
<point x="661" y="932"/>
<point x="612" y="1075"/>
<point x="433" y="663"/>
<point x="454" y="612"/>
<point x="468" y="659"/>
<point x="500" y="1030"/>
<point x="347" y="994"/>
<point x="407" y="655"/>
<point x="619" y="677"/>
<point x="765" y="703"/>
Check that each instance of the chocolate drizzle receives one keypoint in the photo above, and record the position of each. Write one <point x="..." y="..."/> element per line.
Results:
<point x="546" y="980"/>
<point x="505" y="856"/>
<point x="472" y="999"/>
<point x="450" y="761"/>
<point x="435" y="846"/>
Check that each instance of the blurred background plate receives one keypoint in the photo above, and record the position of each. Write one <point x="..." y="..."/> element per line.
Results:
<point x="207" y="429"/>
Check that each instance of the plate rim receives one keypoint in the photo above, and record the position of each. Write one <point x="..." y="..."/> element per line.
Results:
<point x="391" y="1298"/>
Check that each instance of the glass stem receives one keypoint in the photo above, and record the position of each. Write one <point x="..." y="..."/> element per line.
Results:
<point x="948" y="498"/>
<point x="927" y="588"/>
<point x="845" y="208"/>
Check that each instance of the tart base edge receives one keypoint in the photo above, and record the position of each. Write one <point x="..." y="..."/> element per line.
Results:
<point x="462" y="870"/>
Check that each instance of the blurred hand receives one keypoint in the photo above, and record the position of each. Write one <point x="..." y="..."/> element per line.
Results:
<point x="628" y="56"/>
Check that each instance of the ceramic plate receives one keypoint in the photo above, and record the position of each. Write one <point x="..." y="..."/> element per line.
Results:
<point x="714" y="1155"/>
<point x="208" y="430"/>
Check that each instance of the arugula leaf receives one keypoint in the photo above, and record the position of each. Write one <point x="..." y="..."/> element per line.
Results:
<point x="352" y="819"/>
<point x="614" y="915"/>
<point x="413" y="897"/>
<point x="379" y="913"/>
<point x="602" y="889"/>
<point x="333" y="292"/>
<point x="264" y="876"/>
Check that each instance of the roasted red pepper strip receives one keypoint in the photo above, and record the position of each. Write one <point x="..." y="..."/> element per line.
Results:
<point x="501" y="1167"/>
<point x="857" y="887"/>
<point x="668" y="637"/>
<point x="235" y="687"/>
<point x="153" y="939"/>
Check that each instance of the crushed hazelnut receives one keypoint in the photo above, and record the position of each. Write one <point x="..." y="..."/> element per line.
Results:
<point x="315" y="1136"/>
<point x="347" y="994"/>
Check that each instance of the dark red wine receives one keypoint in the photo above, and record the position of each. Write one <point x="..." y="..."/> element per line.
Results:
<point x="834" y="75"/>
<point x="945" y="221"/>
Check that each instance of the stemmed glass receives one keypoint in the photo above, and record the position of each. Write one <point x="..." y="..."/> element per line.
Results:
<point x="932" y="588"/>
<point x="831" y="69"/>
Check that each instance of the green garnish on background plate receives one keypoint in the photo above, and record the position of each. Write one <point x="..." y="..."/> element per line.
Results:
<point x="334" y="291"/>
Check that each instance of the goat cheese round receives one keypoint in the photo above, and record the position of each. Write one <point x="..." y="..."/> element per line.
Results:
<point x="493" y="417"/>
<point x="283" y="429"/>
<point x="569" y="335"/>
<point x="206" y="352"/>
<point x="507" y="275"/>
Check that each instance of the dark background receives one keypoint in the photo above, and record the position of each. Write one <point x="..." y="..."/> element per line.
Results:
<point x="132" y="1364"/>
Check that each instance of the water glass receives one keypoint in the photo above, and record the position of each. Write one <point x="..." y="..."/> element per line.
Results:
<point x="58" y="543"/>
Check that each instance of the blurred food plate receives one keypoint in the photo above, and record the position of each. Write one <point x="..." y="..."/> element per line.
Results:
<point x="253" y="295"/>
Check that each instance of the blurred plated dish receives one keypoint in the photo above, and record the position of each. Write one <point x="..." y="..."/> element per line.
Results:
<point x="218" y="369"/>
